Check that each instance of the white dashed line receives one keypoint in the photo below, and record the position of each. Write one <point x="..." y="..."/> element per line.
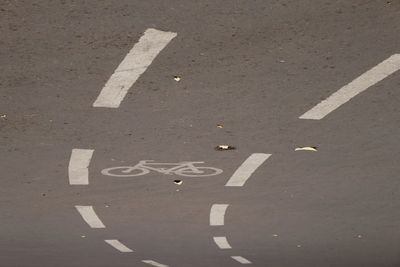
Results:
<point x="360" y="84"/>
<point x="241" y="259"/>
<point x="154" y="263"/>
<point x="217" y="214"/>
<point x="90" y="217"/>
<point x="222" y="242"/>
<point x="134" y="64"/>
<point x="78" y="172"/>
<point x="118" y="245"/>
<point x="243" y="173"/>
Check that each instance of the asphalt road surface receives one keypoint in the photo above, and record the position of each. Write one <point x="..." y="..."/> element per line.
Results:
<point x="265" y="77"/>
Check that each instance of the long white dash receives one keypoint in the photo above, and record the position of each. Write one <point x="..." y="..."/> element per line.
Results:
<point x="90" y="217"/>
<point x="217" y="214"/>
<point x="132" y="66"/>
<point x="241" y="259"/>
<point x="243" y="173"/>
<point x="222" y="242"/>
<point x="154" y="263"/>
<point x="118" y="245"/>
<point x="360" y="84"/>
<point x="78" y="172"/>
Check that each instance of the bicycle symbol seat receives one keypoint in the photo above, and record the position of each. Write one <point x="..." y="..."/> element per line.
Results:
<point x="185" y="168"/>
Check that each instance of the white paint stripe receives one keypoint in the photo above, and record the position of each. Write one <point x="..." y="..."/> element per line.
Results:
<point x="241" y="259"/>
<point x="154" y="263"/>
<point x="78" y="172"/>
<point x="132" y="66"/>
<point x="243" y="173"/>
<point x="360" y="84"/>
<point x="90" y="217"/>
<point x="118" y="245"/>
<point x="222" y="242"/>
<point x="217" y="214"/>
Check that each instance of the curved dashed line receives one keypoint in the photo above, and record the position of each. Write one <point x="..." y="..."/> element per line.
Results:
<point x="241" y="259"/>
<point x="90" y="217"/>
<point x="154" y="263"/>
<point x="78" y="173"/>
<point x="250" y="165"/>
<point x="238" y="179"/>
<point x="222" y="242"/>
<point x="217" y="214"/>
<point x="118" y="245"/>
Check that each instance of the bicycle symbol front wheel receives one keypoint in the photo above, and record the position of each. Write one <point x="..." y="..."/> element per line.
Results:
<point x="124" y="171"/>
<point x="200" y="172"/>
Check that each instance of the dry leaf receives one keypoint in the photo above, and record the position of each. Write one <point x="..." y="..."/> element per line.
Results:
<point x="225" y="147"/>
<point x="306" y="148"/>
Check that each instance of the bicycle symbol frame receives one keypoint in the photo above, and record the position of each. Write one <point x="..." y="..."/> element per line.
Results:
<point x="185" y="168"/>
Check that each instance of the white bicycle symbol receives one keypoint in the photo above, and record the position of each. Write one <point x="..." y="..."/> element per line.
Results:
<point x="185" y="168"/>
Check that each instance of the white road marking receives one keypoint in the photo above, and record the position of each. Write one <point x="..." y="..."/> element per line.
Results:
<point x="360" y="84"/>
<point x="186" y="168"/>
<point x="154" y="263"/>
<point x="90" y="217"/>
<point x="243" y="173"/>
<point x="222" y="242"/>
<point x="118" y="245"/>
<point x="217" y="214"/>
<point x="78" y="172"/>
<point x="241" y="259"/>
<point x="132" y="66"/>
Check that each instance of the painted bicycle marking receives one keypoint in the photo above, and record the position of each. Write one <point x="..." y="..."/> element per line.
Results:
<point x="185" y="168"/>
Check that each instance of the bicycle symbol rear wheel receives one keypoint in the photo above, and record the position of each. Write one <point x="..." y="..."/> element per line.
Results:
<point x="202" y="171"/>
<point x="124" y="171"/>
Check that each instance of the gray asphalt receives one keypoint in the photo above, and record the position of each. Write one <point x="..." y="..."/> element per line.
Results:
<point x="252" y="66"/>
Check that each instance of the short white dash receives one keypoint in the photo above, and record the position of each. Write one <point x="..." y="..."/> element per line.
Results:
<point x="154" y="263"/>
<point x="360" y="84"/>
<point x="243" y="173"/>
<point x="78" y="172"/>
<point x="132" y="66"/>
<point x="217" y="214"/>
<point x="222" y="242"/>
<point x="90" y="217"/>
<point x="241" y="259"/>
<point x="118" y="245"/>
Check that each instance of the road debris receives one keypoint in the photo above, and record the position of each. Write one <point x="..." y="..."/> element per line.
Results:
<point x="178" y="182"/>
<point x="177" y="78"/>
<point x="306" y="148"/>
<point x="220" y="126"/>
<point x="3" y="116"/>
<point x="225" y="147"/>
<point x="275" y="235"/>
